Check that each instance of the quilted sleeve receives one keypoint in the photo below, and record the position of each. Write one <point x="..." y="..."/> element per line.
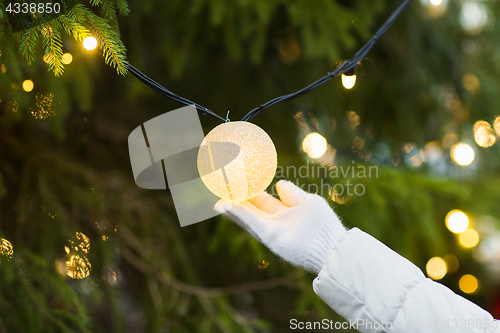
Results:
<point x="377" y="290"/>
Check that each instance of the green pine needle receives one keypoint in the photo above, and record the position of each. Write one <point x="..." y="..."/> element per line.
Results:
<point x="122" y="6"/>
<point x="28" y="42"/>
<point x="53" y="47"/>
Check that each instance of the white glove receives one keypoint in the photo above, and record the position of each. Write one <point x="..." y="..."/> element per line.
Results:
<point x="301" y="228"/>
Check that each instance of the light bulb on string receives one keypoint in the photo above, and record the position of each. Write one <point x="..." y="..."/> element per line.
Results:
<point x="237" y="161"/>
<point x="28" y="85"/>
<point x="90" y="43"/>
<point x="349" y="78"/>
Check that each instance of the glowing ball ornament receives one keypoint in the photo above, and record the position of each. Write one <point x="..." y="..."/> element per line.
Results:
<point x="237" y="160"/>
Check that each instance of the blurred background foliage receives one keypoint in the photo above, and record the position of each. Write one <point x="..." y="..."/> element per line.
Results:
<point x="83" y="249"/>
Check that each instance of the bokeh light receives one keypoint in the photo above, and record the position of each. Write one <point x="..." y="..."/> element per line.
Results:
<point x="469" y="238"/>
<point x="496" y="125"/>
<point x="348" y="81"/>
<point x="452" y="263"/>
<point x="462" y="154"/>
<point x="314" y="145"/>
<point x="436" y="268"/>
<point x="6" y="248"/>
<point x="473" y="17"/>
<point x="457" y="221"/>
<point x="28" y="85"/>
<point x="449" y="140"/>
<point x="79" y="242"/>
<point x="90" y="43"/>
<point x="484" y="134"/>
<point x="67" y="58"/>
<point x="489" y="249"/>
<point x="468" y="284"/>
<point x="78" y="267"/>
<point x="471" y="83"/>
<point x="435" y="8"/>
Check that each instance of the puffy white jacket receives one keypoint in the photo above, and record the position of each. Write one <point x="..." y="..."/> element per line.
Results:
<point x="377" y="290"/>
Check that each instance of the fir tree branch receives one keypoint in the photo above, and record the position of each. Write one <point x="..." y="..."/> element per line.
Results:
<point x="28" y="41"/>
<point x="187" y="288"/>
<point x="6" y="43"/>
<point x="112" y="47"/>
<point x="73" y="28"/>
<point x="122" y="6"/>
<point x="53" y="47"/>
<point x="108" y="11"/>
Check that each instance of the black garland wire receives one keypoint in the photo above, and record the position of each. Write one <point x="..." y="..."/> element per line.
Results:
<point x="346" y="66"/>
<point x="165" y="92"/>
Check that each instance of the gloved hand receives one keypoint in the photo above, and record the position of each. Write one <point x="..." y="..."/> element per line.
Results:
<point x="301" y="228"/>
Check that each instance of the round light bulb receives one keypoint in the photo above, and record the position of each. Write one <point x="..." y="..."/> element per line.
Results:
<point x="237" y="161"/>
<point x="90" y="43"/>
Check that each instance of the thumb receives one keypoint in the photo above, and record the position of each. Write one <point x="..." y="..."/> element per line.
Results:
<point x="290" y="194"/>
<point x="246" y="218"/>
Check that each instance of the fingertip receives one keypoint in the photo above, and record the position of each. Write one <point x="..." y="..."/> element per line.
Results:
<point x="261" y="197"/>
<point x="290" y="193"/>
<point x="267" y="203"/>
<point x="222" y="206"/>
<point x="228" y="206"/>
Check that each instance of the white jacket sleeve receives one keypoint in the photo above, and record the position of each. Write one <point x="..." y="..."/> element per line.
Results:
<point x="377" y="290"/>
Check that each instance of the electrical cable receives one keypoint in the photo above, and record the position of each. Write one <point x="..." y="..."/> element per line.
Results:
<point x="346" y="66"/>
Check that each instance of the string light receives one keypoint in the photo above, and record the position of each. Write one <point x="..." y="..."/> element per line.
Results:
<point x="349" y="78"/>
<point x="348" y="81"/>
<point x="237" y="161"/>
<point x="314" y="145"/>
<point x="90" y="43"/>
<point x="67" y="58"/>
<point x="468" y="284"/>
<point x="436" y="268"/>
<point x="28" y="85"/>
<point x="345" y="67"/>
<point x="462" y="154"/>
<point x="469" y="238"/>
<point x="457" y="221"/>
<point x="436" y="2"/>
